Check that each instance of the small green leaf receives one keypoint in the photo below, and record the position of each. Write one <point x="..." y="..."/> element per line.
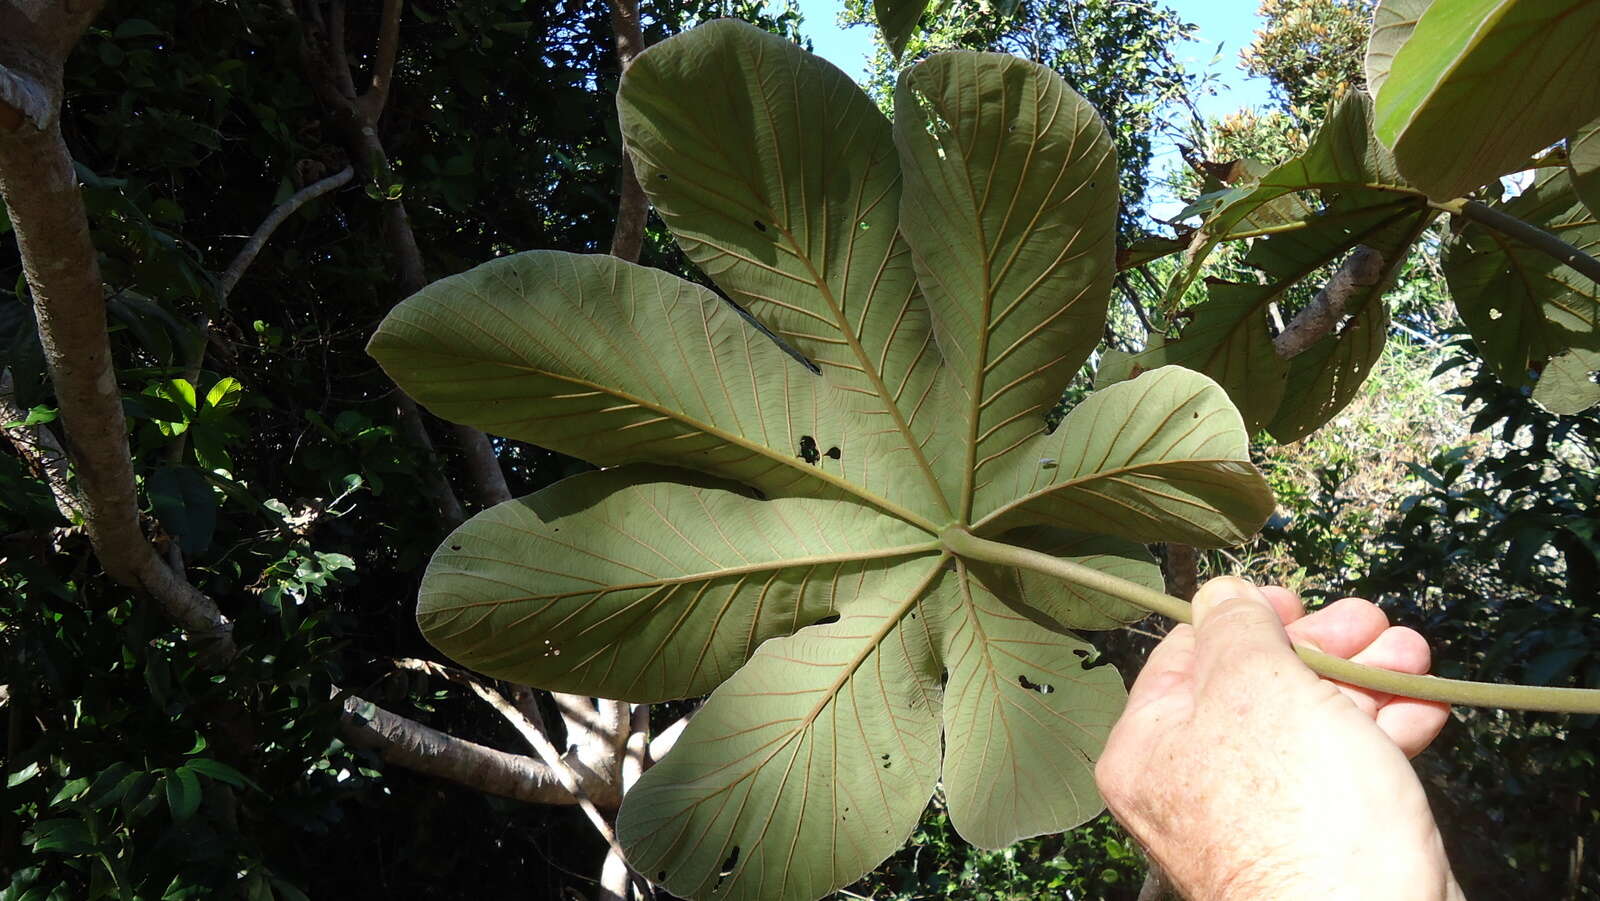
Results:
<point x="224" y="395"/>
<point x="71" y="791"/>
<point x="183" y="793"/>
<point x="221" y="772"/>
<point x="23" y="775"/>
<point x="63" y="836"/>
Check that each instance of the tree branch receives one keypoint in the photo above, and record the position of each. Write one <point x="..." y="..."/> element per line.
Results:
<point x="1362" y="270"/>
<point x="485" y="479"/>
<point x="558" y="764"/>
<point x="40" y="189"/>
<point x="661" y="744"/>
<point x="633" y="209"/>
<point x="377" y="95"/>
<point x="280" y="213"/>
<point x="423" y="749"/>
<point x="43" y="452"/>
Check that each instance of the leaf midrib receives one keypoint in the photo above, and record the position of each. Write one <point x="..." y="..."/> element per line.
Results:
<point x="1099" y="474"/>
<point x="762" y="450"/>
<point x="777" y="745"/>
<point x="888" y="553"/>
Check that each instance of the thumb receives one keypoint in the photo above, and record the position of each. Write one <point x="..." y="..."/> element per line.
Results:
<point x="1237" y="632"/>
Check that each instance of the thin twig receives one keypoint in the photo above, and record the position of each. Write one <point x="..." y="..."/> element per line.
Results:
<point x="531" y="733"/>
<point x="377" y="95"/>
<point x="263" y="233"/>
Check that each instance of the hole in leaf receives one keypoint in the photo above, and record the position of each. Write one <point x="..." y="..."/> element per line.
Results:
<point x="727" y="867"/>
<point x="833" y="453"/>
<point x="1040" y="687"/>
<point x="759" y="226"/>
<point x="884" y="757"/>
<point x="1494" y="313"/>
<point x="661" y="876"/>
<point x="808" y="450"/>
<point x="1197" y="414"/>
<point x="830" y="618"/>
<point x="455" y="547"/>
<point x="662" y="176"/>
<point x="1082" y="654"/>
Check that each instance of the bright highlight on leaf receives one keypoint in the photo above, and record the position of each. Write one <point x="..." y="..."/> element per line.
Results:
<point x="1479" y="86"/>
<point x="773" y="536"/>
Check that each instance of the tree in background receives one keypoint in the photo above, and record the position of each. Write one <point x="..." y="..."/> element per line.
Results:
<point x="1311" y="51"/>
<point x="260" y="184"/>
<point x="1118" y="54"/>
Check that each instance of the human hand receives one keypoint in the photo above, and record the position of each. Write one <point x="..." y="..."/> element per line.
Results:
<point x="1246" y="775"/>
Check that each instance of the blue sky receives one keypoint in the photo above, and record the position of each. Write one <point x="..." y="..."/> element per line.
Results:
<point x="1230" y="23"/>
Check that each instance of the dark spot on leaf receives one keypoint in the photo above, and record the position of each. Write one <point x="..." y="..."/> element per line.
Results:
<point x="1197" y="414"/>
<point x="808" y="450"/>
<point x="662" y="876"/>
<point x="1040" y="687"/>
<point x="1080" y="652"/>
<point x="759" y="226"/>
<point x="662" y="176"/>
<point x="884" y="757"/>
<point x="830" y="618"/>
<point x="728" y="865"/>
<point x="833" y="453"/>
<point x="455" y="547"/>
<point x="886" y="765"/>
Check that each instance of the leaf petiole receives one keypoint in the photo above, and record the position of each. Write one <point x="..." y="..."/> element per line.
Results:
<point x="1429" y="688"/>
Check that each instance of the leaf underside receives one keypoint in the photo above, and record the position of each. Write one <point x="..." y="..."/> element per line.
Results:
<point x="771" y="535"/>
<point x="1341" y="197"/>
<point x="1523" y="307"/>
<point x="1479" y="86"/>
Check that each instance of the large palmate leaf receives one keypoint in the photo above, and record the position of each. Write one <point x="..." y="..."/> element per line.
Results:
<point x="778" y="537"/>
<point x="1521" y="305"/>
<point x="660" y="610"/>
<point x="897" y="20"/>
<point x="1583" y="158"/>
<point x="1392" y="23"/>
<point x="1479" y="86"/>
<point x="1570" y="382"/>
<point x="1013" y="237"/>
<point x="779" y="179"/>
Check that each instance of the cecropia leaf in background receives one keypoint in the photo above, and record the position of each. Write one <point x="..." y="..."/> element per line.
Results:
<point x="1480" y="86"/>
<point x="800" y="574"/>
<point x="1521" y="305"/>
